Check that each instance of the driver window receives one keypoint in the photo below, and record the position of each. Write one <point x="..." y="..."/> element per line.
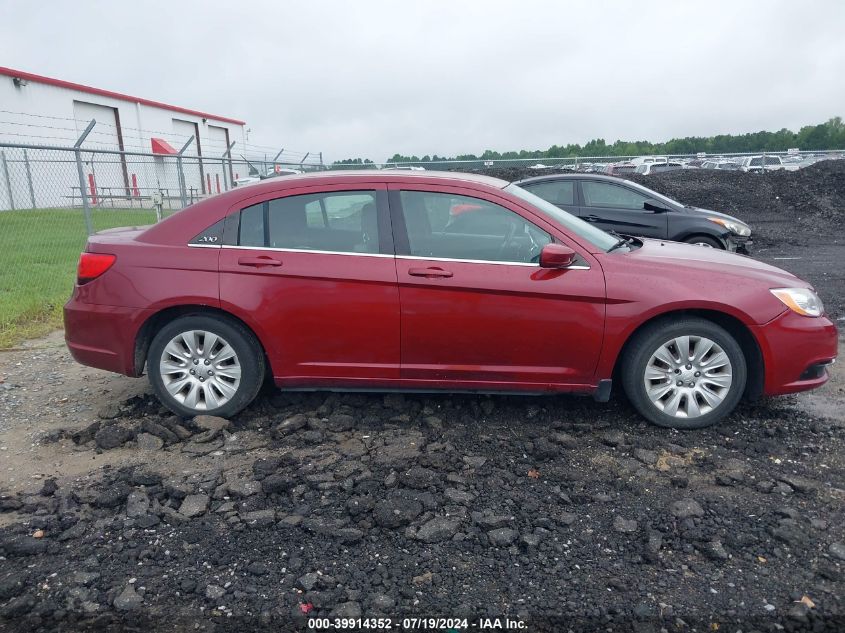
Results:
<point x="603" y="194"/>
<point x="459" y="227"/>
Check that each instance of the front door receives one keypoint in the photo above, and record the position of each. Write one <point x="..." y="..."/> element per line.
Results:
<point x="614" y="207"/>
<point x="313" y="273"/>
<point x="477" y="310"/>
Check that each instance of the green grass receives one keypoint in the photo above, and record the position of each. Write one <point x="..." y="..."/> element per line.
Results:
<point x="38" y="253"/>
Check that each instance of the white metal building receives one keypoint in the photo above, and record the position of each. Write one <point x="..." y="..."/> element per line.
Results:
<point x="42" y="110"/>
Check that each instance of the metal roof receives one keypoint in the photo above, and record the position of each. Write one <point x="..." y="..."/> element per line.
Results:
<point x="50" y="81"/>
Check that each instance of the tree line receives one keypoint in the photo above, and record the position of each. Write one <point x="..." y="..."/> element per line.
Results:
<point x="828" y="135"/>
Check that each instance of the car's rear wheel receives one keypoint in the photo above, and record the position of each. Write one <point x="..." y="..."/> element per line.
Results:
<point x="684" y="374"/>
<point x="705" y="241"/>
<point x="201" y="364"/>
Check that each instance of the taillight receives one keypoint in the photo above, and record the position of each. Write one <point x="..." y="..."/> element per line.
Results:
<point x="92" y="265"/>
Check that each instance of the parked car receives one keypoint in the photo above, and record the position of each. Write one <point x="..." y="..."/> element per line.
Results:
<point x="720" y="164"/>
<point x="614" y="204"/>
<point x="272" y="173"/>
<point x="647" y="160"/>
<point x="758" y="164"/>
<point x="281" y="171"/>
<point x="369" y="281"/>
<point x="616" y="169"/>
<point x="656" y="168"/>
<point x="594" y="168"/>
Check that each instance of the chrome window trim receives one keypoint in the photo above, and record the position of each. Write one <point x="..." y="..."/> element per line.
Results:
<point x="383" y="255"/>
<point x="465" y="261"/>
<point x="410" y="257"/>
<point x="486" y="261"/>
<point x="302" y="250"/>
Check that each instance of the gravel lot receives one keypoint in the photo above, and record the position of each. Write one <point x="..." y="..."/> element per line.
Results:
<point x="557" y="512"/>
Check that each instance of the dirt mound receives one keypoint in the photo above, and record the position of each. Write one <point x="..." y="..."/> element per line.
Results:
<point x="813" y="197"/>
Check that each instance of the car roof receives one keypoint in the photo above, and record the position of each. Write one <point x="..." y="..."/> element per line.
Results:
<point x="576" y="176"/>
<point x="589" y="176"/>
<point x="343" y="176"/>
<point x="188" y="221"/>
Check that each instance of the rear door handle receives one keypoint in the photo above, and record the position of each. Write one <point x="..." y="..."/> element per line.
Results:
<point x="258" y="262"/>
<point x="429" y="273"/>
<point x="592" y="218"/>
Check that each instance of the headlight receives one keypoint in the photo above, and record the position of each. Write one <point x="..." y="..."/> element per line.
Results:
<point x="801" y="300"/>
<point x="734" y="227"/>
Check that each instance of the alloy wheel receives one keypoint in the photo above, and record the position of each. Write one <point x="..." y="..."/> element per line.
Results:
<point x="688" y="376"/>
<point x="200" y="370"/>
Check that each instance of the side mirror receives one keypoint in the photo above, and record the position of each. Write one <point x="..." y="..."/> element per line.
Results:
<point x="653" y="206"/>
<point x="556" y="256"/>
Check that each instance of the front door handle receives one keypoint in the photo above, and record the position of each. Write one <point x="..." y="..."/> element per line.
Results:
<point x="259" y="262"/>
<point x="429" y="273"/>
<point x="592" y="218"/>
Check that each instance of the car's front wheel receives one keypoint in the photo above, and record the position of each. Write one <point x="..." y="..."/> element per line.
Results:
<point x="202" y="364"/>
<point x="684" y="374"/>
<point x="705" y="241"/>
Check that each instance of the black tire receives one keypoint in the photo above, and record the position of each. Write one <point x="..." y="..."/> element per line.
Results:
<point x="247" y="348"/>
<point x="649" y="339"/>
<point x="712" y="242"/>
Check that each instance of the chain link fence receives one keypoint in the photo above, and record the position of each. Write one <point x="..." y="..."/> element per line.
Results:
<point x="53" y="197"/>
<point x="789" y="160"/>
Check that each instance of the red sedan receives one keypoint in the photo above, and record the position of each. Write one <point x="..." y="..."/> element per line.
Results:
<point x="372" y="281"/>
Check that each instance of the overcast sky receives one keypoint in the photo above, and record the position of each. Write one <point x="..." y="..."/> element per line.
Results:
<point x="455" y="76"/>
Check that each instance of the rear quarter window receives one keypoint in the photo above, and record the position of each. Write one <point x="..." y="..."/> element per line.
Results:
<point x="212" y="236"/>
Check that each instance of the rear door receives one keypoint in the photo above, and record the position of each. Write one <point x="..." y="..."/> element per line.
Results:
<point x="477" y="310"/>
<point x="615" y="207"/>
<point x="313" y="272"/>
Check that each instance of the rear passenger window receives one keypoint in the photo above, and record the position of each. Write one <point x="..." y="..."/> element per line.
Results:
<point x="342" y="222"/>
<point x="557" y="192"/>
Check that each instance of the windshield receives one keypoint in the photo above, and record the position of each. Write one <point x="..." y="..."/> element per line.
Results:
<point x="594" y="235"/>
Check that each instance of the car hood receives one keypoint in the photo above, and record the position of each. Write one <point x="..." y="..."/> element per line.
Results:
<point x="698" y="261"/>
<point x="709" y="213"/>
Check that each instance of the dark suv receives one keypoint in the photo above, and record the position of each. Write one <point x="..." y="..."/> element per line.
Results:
<point x="615" y="204"/>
